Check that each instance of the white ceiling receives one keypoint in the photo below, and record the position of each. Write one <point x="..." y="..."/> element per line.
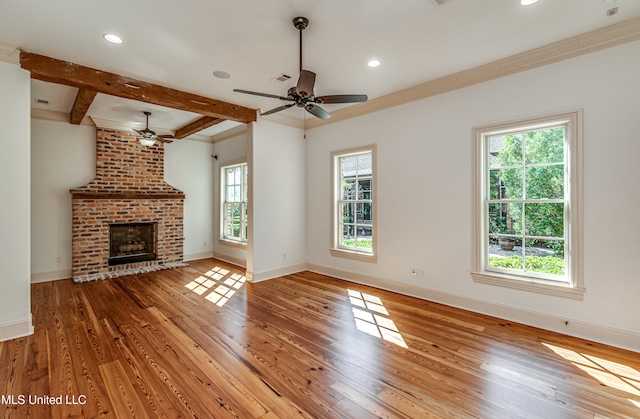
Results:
<point x="179" y="44"/>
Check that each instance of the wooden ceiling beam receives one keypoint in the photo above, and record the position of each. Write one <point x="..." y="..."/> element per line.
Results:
<point x="84" y="99"/>
<point x="61" y="72"/>
<point x="197" y="125"/>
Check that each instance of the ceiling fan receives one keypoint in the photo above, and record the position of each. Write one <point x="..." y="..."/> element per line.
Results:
<point x="302" y="94"/>
<point x="148" y="138"/>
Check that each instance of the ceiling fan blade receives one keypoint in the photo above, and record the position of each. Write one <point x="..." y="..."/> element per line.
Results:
<point x="306" y="81"/>
<point x="316" y="110"/>
<point x="166" y="136"/>
<point x="341" y="99"/>
<point x="278" y="109"/>
<point x="248" y="92"/>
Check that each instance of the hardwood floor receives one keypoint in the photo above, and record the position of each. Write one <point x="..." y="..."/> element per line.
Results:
<point x="199" y="342"/>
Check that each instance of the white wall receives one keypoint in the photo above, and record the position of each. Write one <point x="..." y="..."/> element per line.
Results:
<point x="188" y="166"/>
<point x="15" y="303"/>
<point x="63" y="156"/>
<point x="425" y="187"/>
<point x="276" y="201"/>
<point x="229" y="151"/>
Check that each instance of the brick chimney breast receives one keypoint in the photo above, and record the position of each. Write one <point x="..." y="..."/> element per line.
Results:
<point x="129" y="187"/>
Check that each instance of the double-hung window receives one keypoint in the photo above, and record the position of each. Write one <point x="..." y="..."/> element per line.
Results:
<point x="234" y="203"/>
<point x="354" y="234"/>
<point x="527" y="205"/>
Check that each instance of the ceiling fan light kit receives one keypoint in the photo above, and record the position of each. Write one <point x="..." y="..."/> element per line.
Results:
<point x="302" y="94"/>
<point x="147" y="142"/>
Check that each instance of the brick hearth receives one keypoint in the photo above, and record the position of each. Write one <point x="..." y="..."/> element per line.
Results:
<point x="129" y="188"/>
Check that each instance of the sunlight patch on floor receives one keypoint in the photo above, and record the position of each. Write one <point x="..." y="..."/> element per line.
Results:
<point x="610" y="373"/>
<point x="369" y="315"/>
<point x="217" y="280"/>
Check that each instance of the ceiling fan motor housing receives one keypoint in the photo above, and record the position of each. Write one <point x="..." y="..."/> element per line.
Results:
<point x="300" y="101"/>
<point x="147" y="133"/>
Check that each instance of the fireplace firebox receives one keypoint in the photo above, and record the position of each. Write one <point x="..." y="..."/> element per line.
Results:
<point x="131" y="243"/>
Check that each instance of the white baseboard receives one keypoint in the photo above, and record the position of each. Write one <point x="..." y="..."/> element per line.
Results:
<point x="576" y="328"/>
<point x="286" y="270"/>
<point x="50" y="276"/>
<point x="198" y="256"/>
<point x="234" y="261"/>
<point x="16" y="330"/>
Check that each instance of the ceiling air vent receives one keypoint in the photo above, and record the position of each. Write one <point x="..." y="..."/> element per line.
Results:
<point x="439" y="3"/>
<point x="281" y="78"/>
<point x="41" y="101"/>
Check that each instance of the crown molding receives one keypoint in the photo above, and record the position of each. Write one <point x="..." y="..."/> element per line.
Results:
<point x="599" y="39"/>
<point x="55" y="116"/>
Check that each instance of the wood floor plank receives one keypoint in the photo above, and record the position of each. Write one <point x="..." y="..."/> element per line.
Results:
<point x="219" y="378"/>
<point x="11" y="371"/>
<point x="247" y="376"/>
<point x="160" y="398"/>
<point x="201" y="342"/>
<point x="214" y="381"/>
<point x="122" y="394"/>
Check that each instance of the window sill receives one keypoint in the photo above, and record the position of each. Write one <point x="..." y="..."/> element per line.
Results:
<point x="364" y="257"/>
<point x="526" y="284"/>
<point x="231" y="243"/>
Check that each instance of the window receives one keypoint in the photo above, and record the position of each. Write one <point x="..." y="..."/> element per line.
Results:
<point x="234" y="203"/>
<point x="527" y="202"/>
<point x="354" y="204"/>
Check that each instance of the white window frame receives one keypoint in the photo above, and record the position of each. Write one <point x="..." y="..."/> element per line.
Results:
<point x="230" y="240"/>
<point x="336" y="191"/>
<point x="573" y="285"/>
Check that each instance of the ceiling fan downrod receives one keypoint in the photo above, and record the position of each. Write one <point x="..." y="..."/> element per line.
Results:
<point x="300" y="23"/>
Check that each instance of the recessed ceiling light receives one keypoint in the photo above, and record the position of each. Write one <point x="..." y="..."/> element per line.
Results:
<point x="527" y="2"/>
<point x="114" y="39"/>
<point x="373" y="63"/>
<point x="222" y="74"/>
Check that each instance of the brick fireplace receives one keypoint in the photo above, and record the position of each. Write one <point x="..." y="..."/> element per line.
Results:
<point x="128" y="192"/>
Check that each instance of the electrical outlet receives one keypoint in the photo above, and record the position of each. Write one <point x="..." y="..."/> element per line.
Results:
<point x="284" y="256"/>
<point x="58" y="259"/>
